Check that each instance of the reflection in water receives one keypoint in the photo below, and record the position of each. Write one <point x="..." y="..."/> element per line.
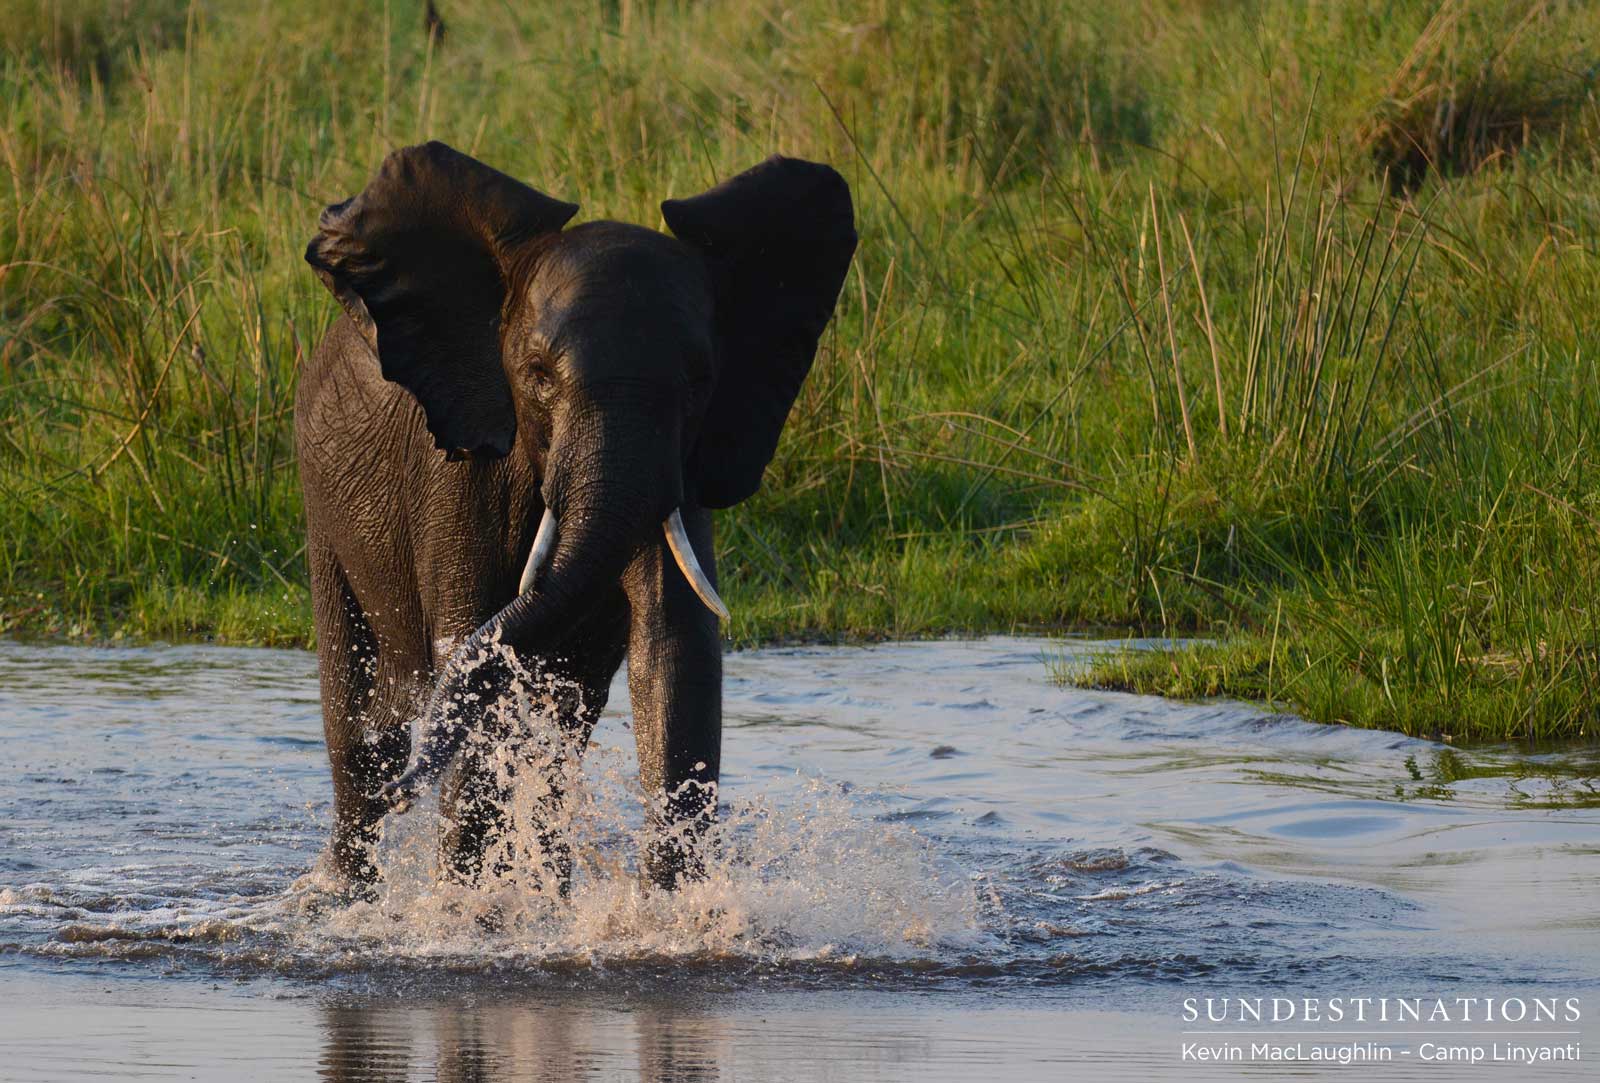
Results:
<point x="471" y="1042"/>
<point x="675" y="1049"/>
<point x="1534" y="779"/>
<point x="363" y="1045"/>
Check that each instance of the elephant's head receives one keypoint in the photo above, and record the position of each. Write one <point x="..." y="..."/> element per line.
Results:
<point x="636" y="371"/>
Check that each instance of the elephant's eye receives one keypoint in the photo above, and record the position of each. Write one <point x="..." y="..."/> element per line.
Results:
<point x="541" y="375"/>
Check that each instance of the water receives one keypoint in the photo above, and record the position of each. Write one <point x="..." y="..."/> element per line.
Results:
<point x="935" y="863"/>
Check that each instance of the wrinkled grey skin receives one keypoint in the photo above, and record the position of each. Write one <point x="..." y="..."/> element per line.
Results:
<point x="490" y="364"/>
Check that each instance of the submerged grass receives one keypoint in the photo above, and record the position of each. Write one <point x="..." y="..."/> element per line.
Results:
<point x="1269" y="325"/>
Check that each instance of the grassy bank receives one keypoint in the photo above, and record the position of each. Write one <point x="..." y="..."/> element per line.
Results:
<point x="1269" y="324"/>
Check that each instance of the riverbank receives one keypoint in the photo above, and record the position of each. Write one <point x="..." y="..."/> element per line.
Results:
<point x="1269" y="328"/>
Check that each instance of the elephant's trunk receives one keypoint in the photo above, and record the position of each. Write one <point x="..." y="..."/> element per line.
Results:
<point x="608" y="497"/>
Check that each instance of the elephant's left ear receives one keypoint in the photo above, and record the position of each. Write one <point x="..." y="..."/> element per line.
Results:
<point x="778" y="240"/>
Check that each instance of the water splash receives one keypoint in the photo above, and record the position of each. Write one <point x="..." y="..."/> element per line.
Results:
<point x="789" y="875"/>
<point x="490" y="705"/>
<point x="796" y="875"/>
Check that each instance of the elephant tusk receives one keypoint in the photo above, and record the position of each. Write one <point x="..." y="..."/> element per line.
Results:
<point x="683" y="553"/>
<point x="543" y="542"/>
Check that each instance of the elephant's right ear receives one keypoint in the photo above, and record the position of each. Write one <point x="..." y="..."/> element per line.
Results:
<point x="419" y="260"/>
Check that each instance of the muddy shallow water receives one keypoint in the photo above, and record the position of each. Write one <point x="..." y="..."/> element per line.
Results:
<point x="935" y="863"/>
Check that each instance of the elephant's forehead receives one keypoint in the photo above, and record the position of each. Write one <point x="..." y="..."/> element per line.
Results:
<point x="611" y="264"/>
<point x="603" y="297"/>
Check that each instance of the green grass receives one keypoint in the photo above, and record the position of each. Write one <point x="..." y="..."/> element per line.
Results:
<point x="1267" y="324"/>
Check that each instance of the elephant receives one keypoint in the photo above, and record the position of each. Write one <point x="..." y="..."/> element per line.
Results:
<point x="510" y="445"/>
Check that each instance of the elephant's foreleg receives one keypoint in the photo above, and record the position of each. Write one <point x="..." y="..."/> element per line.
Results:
<point x="474" y="804"/>
<point x="675" y="683"/>
<point x="477" y="799"/>
<point x="364" y="748"/>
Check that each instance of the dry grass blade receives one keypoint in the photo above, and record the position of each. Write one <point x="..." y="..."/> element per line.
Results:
<point x="1211" y="331"/>
<point x="1172" y="338"/>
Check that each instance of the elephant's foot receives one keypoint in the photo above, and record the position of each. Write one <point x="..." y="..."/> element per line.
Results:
<point x="344" y="873"/>
<point x="352" y="856"/>
<point x="681" y="837"/>
<point x="326" y="890"/>
<point x="674" y="858"/>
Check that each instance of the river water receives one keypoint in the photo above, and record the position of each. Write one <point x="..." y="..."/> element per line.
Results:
<point x="935" y="862"/>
